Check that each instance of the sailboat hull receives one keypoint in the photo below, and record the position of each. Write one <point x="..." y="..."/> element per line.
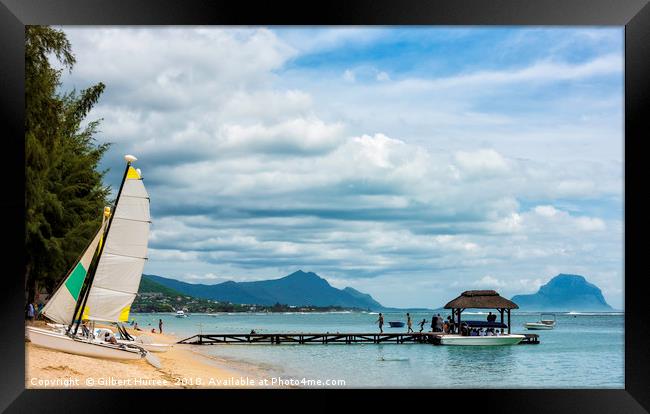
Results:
<point x="63" y="343"/>
<point x="153" y="347"/>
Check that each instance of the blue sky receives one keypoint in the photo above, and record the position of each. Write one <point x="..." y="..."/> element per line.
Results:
<point x="409" y="163"/>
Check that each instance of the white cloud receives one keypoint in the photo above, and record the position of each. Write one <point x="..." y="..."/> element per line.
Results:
<point x="546" y="211"/>
<point x="590" y="223"/>
<point x="485" y="161"/>
<point x="540" y="72"/>
<point x="254" y="172"/>
<point x="489" y="282"/>
<point x="383" y="76"/>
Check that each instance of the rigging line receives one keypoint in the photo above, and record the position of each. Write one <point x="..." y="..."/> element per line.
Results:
<point x="118" y="291"/>
<point x="139" y="221"/>
<point x="135" y="196"/>
<point x="126" y="255"/>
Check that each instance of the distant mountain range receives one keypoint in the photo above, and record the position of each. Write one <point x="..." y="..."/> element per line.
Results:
<point x="564" y="293"/>
<point x="298" y="289"/>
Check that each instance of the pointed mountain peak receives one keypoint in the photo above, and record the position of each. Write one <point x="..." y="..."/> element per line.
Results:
<point x="568" y="276"/>
<point x="300" y="274"/>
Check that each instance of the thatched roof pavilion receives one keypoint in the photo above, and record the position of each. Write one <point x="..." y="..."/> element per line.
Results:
<point x="481" y="299"/>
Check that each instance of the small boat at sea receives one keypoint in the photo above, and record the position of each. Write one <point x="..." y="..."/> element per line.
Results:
<point x="543" y="324"/>
<point x="181" y="314"/>
<point x="103" y="283"/>
<point x="480" y="333"/>
<point x="395" y="324"/>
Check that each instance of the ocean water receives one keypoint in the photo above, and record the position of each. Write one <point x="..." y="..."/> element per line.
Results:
<point x="585" y="350"/>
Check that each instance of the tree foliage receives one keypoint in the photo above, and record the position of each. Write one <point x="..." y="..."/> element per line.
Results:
<point x="64" y="193"/>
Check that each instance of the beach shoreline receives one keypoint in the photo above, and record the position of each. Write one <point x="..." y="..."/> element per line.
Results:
<point x="182" y="367"/>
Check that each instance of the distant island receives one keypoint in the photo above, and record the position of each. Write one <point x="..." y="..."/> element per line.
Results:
<point x="564" y="293"/>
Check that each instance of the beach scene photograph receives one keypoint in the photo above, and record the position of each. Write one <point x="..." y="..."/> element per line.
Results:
<point x="289" y="207"/>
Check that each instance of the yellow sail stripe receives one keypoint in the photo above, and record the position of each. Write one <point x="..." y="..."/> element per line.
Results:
<point x="84" y="315"/>
<point x="132" y="174"/>
<point x="124" y="314"/>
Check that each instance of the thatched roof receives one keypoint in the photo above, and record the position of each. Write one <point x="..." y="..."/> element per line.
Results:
<point x="481" y="299"/>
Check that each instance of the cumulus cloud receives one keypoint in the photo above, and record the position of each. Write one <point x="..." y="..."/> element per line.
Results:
<point x="483" y="162"/>
<point x="255" y="171"/>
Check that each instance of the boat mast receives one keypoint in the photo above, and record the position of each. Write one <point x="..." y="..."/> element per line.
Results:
<point x="83" y="298"/>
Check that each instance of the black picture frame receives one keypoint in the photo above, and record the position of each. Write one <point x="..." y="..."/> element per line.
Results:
<point x="633" y="14"/>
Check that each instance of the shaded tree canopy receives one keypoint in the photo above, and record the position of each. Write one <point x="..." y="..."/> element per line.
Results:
<point x="64" y="191"/>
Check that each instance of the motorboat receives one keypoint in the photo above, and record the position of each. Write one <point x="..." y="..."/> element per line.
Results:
<point x="505" y="339"/>
<point x="181" y="314"/>
<point x="546" y="323"/>
<point x="481" y="333"/>
<point x="396" y="324"/>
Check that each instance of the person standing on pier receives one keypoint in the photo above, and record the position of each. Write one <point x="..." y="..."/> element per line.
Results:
<point x="380" y="321"/>
<point x="434" y="322"/>
<point x="409" y="323"/>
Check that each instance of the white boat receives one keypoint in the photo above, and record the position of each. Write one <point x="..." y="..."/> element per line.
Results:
<point x="537" y="326"/>
<point x="506" y="339"/>
<point x="543" y="324"/>
<point x="152" y="347"/>
<point x="78" y="346"/>
<point x="103" y="283"/>
<point x="146" y="343"/>
<point x="487" y="332"/>
<point x="181" y="314"/>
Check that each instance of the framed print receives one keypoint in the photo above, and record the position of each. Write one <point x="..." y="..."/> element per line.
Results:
<point x="241" y="198"/>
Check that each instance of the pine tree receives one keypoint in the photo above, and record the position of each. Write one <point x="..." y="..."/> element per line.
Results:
<point x="64" y="193"/>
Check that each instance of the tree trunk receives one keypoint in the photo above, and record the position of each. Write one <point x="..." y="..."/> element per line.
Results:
<point x="30" y="284"/>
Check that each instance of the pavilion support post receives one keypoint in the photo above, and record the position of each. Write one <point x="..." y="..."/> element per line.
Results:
<point x="508" y="321"/>
<point x="501" y="312"/>
<point x="458" y="326"/>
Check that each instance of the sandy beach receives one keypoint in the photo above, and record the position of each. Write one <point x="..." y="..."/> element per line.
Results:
<point x="182" y="367"/>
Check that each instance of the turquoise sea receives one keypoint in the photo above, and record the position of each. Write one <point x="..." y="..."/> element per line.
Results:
<point x="585" y="350"/>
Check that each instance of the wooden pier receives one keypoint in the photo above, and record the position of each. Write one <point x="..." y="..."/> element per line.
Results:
<point x="326" y="338"/>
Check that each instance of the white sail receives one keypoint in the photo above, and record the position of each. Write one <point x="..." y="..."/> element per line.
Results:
<point x="61" y="304"/>
<point x="120" y="265"/>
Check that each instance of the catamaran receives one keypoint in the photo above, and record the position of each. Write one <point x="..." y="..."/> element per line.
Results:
<point x="103" y="283"/>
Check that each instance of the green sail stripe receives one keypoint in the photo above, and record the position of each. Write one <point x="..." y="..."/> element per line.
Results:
<point x="76" y="280"/>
